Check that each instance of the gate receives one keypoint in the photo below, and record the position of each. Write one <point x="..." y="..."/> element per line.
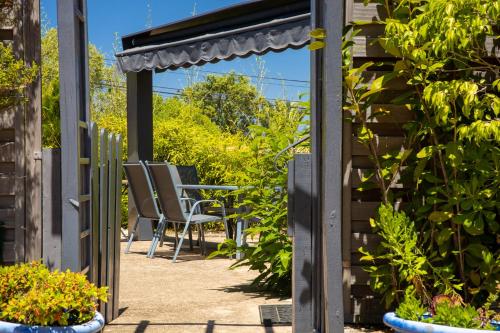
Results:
<point x="90" y="174"/>
<point x="101" y="241"/>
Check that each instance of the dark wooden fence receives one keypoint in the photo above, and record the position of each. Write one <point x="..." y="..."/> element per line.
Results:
<point x="20" y="142"/>
<point x="100" y="242"/>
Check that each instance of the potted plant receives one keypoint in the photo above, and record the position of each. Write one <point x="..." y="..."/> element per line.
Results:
<point x="33" y="299"/>
<point x="447" y="314"/>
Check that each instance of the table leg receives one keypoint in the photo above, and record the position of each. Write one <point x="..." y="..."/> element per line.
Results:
<point x="241" y="225"/>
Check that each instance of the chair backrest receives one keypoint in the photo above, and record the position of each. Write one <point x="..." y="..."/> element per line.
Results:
<point x="189" y="175"/>
<point x="165" y="179"/>
<point x="140" y="187"/>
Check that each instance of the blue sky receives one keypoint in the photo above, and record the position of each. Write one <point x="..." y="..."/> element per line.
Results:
<point x="108" y="18"/>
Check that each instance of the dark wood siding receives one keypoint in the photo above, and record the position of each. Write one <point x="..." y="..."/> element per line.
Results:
<point x="361" y="304"/>
<point x="20" y="145"/>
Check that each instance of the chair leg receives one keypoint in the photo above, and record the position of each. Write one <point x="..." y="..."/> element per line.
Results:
<point x="176" y="235"/>
<point x="156" y="238"/>
<point x="203" y="248"/>
<point x="198" y="242"/>
<point x="190" y="234"/>
<point x="177" y="250"/>
<point x="131" y="237"/>
<point x="224" y="219"/>
<point x="163" y="236"/>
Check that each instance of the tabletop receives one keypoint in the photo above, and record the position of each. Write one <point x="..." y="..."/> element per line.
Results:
<point x="208" y="187"/>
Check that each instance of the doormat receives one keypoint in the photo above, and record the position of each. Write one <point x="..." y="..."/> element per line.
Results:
<point x="279" y="314"/>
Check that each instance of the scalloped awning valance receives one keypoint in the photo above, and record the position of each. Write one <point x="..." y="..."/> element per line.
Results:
<point x="273" y="34"/>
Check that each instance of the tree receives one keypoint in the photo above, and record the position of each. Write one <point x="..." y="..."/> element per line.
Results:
<point x="231" y="101"/>
<point x="14" y="76"/>
<point x="50" y="85"/>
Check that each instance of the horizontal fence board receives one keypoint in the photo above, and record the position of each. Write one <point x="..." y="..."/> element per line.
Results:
<point x="7" y="184"/>
<point x="7" y="118"/>
<point x="493" y="51"/>
<point x="382" y="129"/>
<point x="370" y="12"/>
<point x="368" y="310"/>
<point x="357" y="175"/>
<point x="7" y="135"/>
<point x="7" y="168"/>
<point x="362" y="162"/>
<point x="6" y="34"/>
<point x="384" y="144"/>
<point x="7" y="201"/>
<point x="364" y="210"/>
<point x="362" y="291"/>
<point x="373" y="195"/>
<point x="368" y="46"/>
<point x="7" y="215"/>
<point x="359" y="276"/>
<point x="390" y="114"/>
<point x="8" y="233"/>
<point x="7" y="152"/>
<point x="361" y="226"/>
<point x="397" y="84"/>
<point x="7" y="253"/>
<point x="365" y="240"/>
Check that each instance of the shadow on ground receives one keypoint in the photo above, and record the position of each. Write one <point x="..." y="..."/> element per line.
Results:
<point x="209" y="326"/>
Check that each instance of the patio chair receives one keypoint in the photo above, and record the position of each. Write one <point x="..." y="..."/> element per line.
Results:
<point x="142" y="193"/>
<point x="189" y="175"/>
<point x="171" y="204"/>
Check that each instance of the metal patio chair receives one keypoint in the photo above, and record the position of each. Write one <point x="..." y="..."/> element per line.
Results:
<point x="143" y="195"/>
<point x="171" y="203"/>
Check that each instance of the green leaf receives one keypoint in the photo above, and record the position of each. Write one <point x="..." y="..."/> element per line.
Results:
<point x="444" y="235"/>
<point x="318" y="33"/>
<point x="477" y="250"/>
<point x="475" y="226"/>
<point x="426" y="152"/>
<point x="440" y="217"/>
<point x="316" y="45"/>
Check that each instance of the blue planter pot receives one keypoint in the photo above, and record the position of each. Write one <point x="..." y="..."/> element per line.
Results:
<point x="410" y="326"/>
<point x="93" y="326"/>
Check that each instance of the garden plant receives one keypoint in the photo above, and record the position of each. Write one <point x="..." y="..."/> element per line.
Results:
<point x="440" y="241"/>
<point x="32" y="295"/>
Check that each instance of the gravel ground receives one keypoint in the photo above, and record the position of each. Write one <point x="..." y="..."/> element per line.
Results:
<point x="192" y="295"/>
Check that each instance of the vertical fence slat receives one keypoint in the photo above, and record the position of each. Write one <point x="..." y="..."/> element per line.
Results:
<point x="111" y="224"/>
<point x="302" y="311"/>
<point x="103" y="214"/>
<point x="94" y="203"/>
<point x="118" y="195"/>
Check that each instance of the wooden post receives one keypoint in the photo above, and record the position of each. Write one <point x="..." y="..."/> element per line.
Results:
<point x="75" y="146"/>
<point x="103" y="213"/>
<point x="118" y="220"/>
<point x="52" y="220"/>
<point x="301" y="209"/>
<point x="33" y="134"/>
<point x="140" y="134"/>
<point x="94" y="204"/>
<point x="326" y="116"/>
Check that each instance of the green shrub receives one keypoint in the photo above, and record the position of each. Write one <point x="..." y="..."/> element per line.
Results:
<point x="411" y="308"/>
<point x="450" y="159"/>
<point x="15" y="75"/>
<point x="30" y="294"/>
<point x="265" y="202"/>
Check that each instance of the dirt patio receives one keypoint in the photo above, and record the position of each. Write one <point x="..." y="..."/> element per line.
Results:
<point x="192" y="295"/>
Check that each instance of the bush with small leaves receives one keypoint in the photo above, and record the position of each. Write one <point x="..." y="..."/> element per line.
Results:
<point x="32" y="295"/>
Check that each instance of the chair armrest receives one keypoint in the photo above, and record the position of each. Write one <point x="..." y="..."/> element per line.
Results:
<point x="197" y="203"/>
